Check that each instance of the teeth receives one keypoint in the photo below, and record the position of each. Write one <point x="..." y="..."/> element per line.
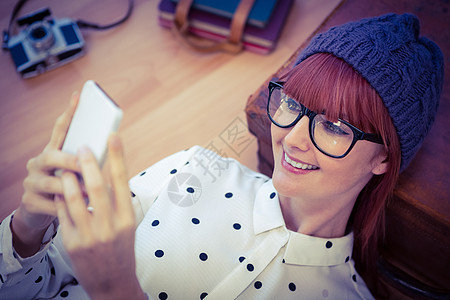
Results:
<point x="299" y="165"/>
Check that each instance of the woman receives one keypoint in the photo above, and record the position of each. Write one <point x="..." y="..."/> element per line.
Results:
<point x="346" y="120"/>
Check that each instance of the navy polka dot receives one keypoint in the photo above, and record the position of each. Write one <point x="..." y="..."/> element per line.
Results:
<point x="250" y="267"/>
<point x="162" y="296"/>
<point x="155" y="223"/>
<point x="354" y="278"/>
<point x="186" y="163"/>
<point x="159" y="253"/>
<point x="52" y="271"/>
<point x="173" y="171"/>
<point x="28" y="271"/>
<point x="241" y="259"/>
<point x="329" y="244"/>
<point x="283" y="261"/>
<point x="292" y="286"/>
<point x="272" y="195"/>
<point x="133" y="195"/>
<point x="228" y="195"/>
<point x="39" y="279"/>
<point x="203" y="295"/>
<point x="195" y="221"/>
<point x="203" y="256"/>
<point x="64" y="294"/>
<point x="347" y="258"/>
<point x="258" y="285"/>
<point x="190" y="190"/>
<point x="142" y="174"/>
<point x="237" y="226"/>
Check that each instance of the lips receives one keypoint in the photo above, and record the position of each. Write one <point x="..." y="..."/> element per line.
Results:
<point x="299" y="165"/>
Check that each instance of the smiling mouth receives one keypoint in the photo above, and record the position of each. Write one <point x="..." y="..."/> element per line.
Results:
<point x="299" y="165"/>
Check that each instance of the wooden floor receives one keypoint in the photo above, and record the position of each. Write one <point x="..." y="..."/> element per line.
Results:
<point x="172" y="98"/>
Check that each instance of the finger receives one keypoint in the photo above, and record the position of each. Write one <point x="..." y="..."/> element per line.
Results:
<point x="42" y="184"/>
<point x="68" y="230"/>
<point x="76" y="206"/>
<point x="99" y="198"/>
<point x="119" y="178"/>
<point x="62" y="213"/>
<point x="50" y="160"/>
<point x="62" y="124"/>
<point x="38" y="204"/>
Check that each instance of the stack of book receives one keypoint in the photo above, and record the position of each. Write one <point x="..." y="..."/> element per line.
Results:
<point x="211" y="19"/>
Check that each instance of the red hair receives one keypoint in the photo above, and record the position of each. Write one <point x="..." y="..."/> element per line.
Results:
<point x="327" y="84"/>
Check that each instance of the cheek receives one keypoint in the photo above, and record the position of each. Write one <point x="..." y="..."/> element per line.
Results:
<point x="365" y="155"/>
<point x="275" y="133"/>
<point x="354" y="169"/>
<point x="339" y="179"/>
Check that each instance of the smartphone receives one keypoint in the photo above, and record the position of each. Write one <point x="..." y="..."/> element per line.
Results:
<point x="95" y="117"/>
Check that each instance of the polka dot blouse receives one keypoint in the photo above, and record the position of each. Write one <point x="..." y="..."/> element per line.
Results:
<point x="208" y="228"/>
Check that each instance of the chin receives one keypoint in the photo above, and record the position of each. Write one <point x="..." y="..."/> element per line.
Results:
<point x="283" y="184"/>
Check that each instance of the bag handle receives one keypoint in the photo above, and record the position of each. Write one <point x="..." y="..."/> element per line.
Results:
<point x="233" y="44"/>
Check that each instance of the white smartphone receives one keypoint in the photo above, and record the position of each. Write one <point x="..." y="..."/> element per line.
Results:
<point x="95" y="117"/>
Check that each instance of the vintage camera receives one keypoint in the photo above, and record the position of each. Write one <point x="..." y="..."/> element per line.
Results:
<point x="45" y="43"/>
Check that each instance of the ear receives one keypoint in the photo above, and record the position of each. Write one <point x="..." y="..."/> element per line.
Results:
<point x="380" y="165"/>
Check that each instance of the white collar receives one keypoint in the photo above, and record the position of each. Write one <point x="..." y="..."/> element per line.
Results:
<point x="301" y="249"/>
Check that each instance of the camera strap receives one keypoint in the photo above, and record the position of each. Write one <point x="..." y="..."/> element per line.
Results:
<point x="7" y="31"/>
<point x="85" y="24"/>
<point x="80" y="23"/>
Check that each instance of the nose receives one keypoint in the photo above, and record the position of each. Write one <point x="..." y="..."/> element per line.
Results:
<point x="298" y="136"/>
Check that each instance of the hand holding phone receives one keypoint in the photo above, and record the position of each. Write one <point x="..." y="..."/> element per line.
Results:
<point x="95" y="118"/>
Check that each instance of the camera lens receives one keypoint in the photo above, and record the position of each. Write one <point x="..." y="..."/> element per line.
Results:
<point x="38" y="33"/>
<point x="40" y="36"/>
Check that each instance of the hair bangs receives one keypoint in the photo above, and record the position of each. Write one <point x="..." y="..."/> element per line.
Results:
<point x="328" y="85"/>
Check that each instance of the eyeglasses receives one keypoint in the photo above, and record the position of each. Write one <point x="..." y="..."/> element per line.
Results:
<point x="334" y="139"/>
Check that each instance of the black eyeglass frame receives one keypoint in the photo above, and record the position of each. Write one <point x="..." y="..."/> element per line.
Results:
<point x="358" y="134"/>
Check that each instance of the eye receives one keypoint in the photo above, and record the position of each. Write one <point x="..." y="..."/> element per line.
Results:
<point x="335" y="128"/>
<point x="291" y="104"/>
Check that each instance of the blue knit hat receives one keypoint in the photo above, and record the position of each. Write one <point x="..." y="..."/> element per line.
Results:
<point x="406" y="70"/>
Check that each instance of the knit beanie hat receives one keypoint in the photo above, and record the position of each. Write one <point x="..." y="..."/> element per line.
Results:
<point x="406" y="70"/>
